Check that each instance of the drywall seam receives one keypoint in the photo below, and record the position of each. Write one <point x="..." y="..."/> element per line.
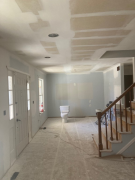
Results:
<point x="127" y="146"/>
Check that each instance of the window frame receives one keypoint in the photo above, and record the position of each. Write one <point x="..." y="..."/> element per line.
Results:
<point x="28" y="95"/>
<point x="12" y="92"/>
<point x="41" y="95"/>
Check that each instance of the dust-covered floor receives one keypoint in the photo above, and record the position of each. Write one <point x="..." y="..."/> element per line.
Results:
<point x="67" y="152"/>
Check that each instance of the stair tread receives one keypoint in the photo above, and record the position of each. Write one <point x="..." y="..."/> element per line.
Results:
<point x="106" y="150"/>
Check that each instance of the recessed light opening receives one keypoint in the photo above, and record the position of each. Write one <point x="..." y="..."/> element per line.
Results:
<point x="53" y="35"/>
<point x="47" y="57"/>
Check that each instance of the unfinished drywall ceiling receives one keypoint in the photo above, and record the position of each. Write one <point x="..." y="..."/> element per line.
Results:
<point x="102" y="33"/>
<point x="52" y="50"/>
<point x="92" y="6"/>
<point x="96" y="41"/>
<point x="29" y="6"/>
<point x="80" y="59"/>
<point x="103" y="68"/>
<point x="82" y="52"/>
<point x="89" y="48"/>
<point x="39" y="25"/>
<point x="86" y="30"/>
<point x="99" y="22"/>
<point x="81" y="69"/>
<point x="48" y="44"/>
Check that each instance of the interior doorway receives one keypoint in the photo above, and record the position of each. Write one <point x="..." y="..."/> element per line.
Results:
<point x="12" y="124"/>
<point x="128" y="81"/>
<point x="19" y="113"/>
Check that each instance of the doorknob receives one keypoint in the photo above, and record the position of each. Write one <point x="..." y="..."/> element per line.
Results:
<point x="18" y="120"/>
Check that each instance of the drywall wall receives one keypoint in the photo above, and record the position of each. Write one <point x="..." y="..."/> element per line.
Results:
<point x="7" y="59"/>
<point x="83" y="93"/>
<point x="113" y="83"/>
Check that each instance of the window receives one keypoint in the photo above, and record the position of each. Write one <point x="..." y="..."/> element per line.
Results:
<point x="28" y="95"/>
<point x="41" y="96"/>
<point x="10" y="93"/>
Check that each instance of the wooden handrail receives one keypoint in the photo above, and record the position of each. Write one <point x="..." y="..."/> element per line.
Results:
<point x="100" y="114"/>
<point x="121" y="96"/>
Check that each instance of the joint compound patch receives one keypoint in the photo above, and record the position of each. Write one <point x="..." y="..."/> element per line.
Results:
<point x="29" y="6"/>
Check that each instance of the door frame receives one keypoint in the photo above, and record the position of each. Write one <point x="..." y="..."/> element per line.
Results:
<point x="29" y="112"/>
<point x="13" y="71"/>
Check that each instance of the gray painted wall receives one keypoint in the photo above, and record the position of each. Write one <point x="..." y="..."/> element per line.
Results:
<point x="112" y="84"/>
<point x="65" y="89"/>
<point x="14" y="63"/>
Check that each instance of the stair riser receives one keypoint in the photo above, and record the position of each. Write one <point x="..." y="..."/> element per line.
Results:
<point x="114" y="133"/>
<point x="124" y="124"/>
<point x="133" y="105"/>
<point x="109" y="144"/>
<point x="128" y="115"/>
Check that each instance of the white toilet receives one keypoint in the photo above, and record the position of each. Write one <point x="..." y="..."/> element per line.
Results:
<point x="64" y="113"/>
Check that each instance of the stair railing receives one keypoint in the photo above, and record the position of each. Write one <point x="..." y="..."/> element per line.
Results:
<point x="108" y="109"/>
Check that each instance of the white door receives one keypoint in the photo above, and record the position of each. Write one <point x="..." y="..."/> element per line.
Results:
<point x="21" y="113"/>
<point x="12" y="129"/>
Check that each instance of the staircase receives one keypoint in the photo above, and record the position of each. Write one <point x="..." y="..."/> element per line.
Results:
<point x="117" y="136"/>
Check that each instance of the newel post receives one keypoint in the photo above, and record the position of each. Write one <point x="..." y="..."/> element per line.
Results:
<point x="100" y="145"/>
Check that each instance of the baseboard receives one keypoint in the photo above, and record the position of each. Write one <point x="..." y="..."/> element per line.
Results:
<point x="55" y="117"/>
<point x="74" y="117"/>
<point x="81" y="116"/>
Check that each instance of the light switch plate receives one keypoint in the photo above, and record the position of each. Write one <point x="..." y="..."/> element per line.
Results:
<point x="4" y="113"/>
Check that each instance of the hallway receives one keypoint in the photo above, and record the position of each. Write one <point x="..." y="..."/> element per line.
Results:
<point x="67" y="152"/>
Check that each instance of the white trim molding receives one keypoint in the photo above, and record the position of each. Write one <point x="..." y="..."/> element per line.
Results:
<point x="15" y="70"/>
<point x="126" y="146"/>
